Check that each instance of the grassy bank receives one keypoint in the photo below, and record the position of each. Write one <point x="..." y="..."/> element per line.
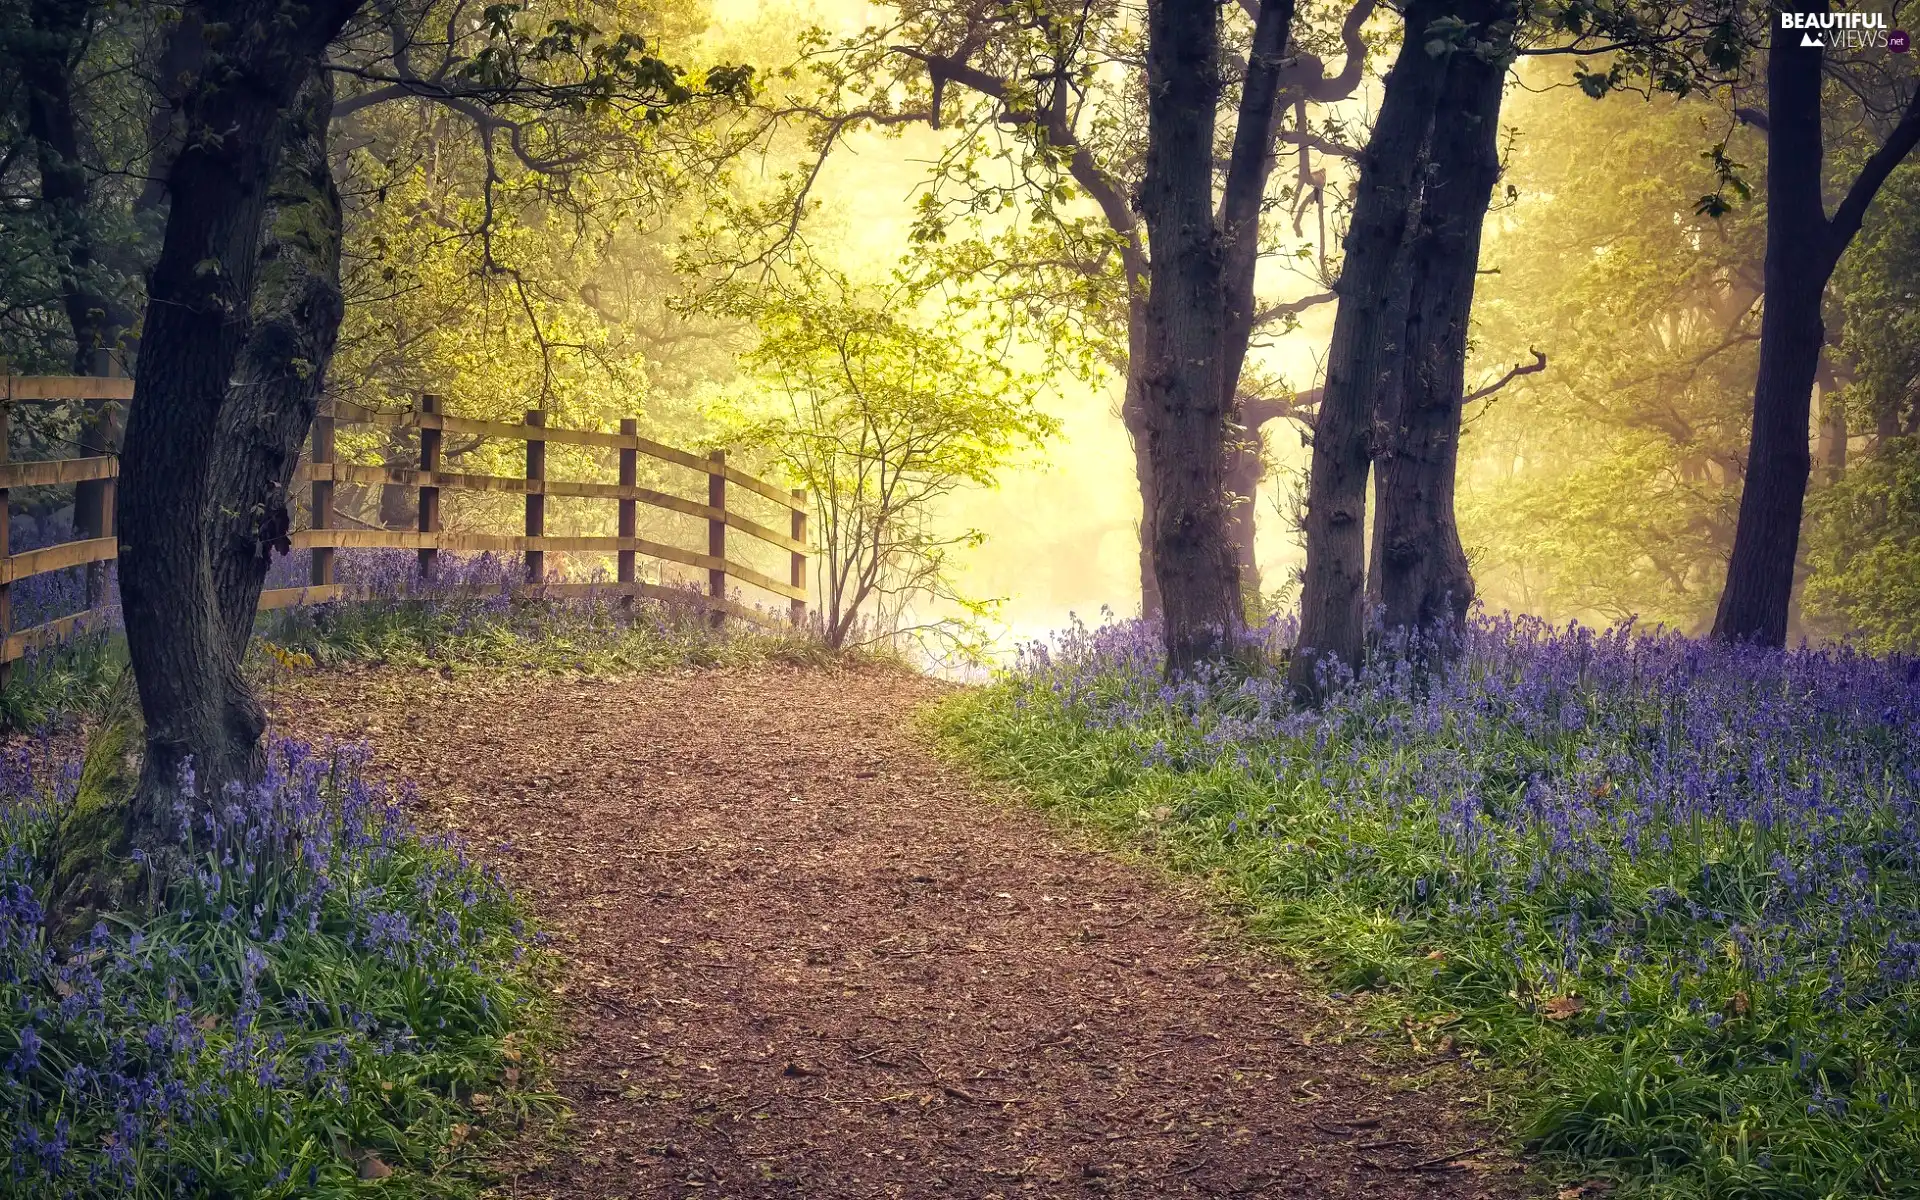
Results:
<point x="1670" y="886"/>
<point x="332" y="998"/>
<point x="466" y="616"/>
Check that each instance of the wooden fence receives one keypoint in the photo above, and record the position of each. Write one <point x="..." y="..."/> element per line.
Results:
<point x="324" y="536"/>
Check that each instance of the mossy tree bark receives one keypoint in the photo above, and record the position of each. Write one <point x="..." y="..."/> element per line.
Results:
<point x="176" y="587"/>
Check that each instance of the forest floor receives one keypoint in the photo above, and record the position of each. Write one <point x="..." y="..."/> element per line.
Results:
<point x="806" y="957"/>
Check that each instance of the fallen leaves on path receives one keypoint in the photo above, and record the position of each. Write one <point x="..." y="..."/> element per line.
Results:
<point x="804" y="960"/>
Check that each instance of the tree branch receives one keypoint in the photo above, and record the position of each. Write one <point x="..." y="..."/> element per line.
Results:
<point x="1274" y="312"/>
<point x="1853" y="210"/>
<point x="1053" y="126"/>
<point x="1538" y="365"/>
<point x="1339" y="87"/>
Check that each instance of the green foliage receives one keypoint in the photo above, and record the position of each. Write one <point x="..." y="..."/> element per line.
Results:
<point x="1879" y="302"/>
<point x="69" y="678"/>
<point x="1625" y="1001"/>
<point x="880" y="413"/>
<point x="1863" y="552"/>
<point x="1606" y="486"/>
<point x="598" y="635"/>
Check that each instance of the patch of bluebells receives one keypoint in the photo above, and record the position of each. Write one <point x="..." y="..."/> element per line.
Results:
<point x="323" y="983"/>
<point x="1710" y="853"/>
<point x="477" y="606"/>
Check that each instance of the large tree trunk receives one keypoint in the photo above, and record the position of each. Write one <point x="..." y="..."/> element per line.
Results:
<point x="297" y="308"/>
<point x="1421" y="576"/>
<point x="1803" y="247"/>
<point x="197" y="706"/>
<point x="1760" y="572"/>
<point x="1363" y="360"/>
<point x="1182" y="378"/>
<point x="1186" y="391"/>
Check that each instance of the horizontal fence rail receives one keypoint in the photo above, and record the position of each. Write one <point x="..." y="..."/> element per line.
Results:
<point x="323" y="538"/>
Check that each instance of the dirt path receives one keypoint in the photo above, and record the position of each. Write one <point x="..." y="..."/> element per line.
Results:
<point x="806" y="962"/>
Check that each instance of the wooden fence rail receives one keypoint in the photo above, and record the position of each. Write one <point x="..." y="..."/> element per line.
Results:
<point x="429" y="480"/>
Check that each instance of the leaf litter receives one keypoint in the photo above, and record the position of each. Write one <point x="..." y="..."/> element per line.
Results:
<point x="805" y="959"/>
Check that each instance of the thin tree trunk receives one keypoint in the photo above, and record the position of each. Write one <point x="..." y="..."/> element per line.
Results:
<point x="1245" y="466"/>
<point x="1833" y="424"/>
<point x="1362" y="361"/>
<point x="66" y="193"/>
<point x="1421" y="575"/>
<point x="197" y="706"/>
<point x="66" y="196"/>
<point x="1255" y="150"/>
<point x="1133" y="416"/>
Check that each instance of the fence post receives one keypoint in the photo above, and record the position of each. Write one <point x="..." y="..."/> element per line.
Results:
<point x="629" y="510"/>
<point x="536" y="500"/>
<point x="321" y="504"/>
<point x="6" y="532"/>
<point x="797" y="561"/>
<point x="717" y="535"/>
<point x="429" y="494"/>
<point x="93" y="499"/>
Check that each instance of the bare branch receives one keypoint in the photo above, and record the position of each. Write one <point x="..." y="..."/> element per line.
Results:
<point x="1292" y="308"/>
<point x="1538" y="365"/>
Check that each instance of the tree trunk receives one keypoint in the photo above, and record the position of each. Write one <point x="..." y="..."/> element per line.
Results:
<point x="1759" y="584"/>
<point x="1803" y="247"/>
<point x="66" y="195"/>
<point x="1363" y="360"/>
<point x="1245" y="467"/>
<point x="297" y="308"/>
<point x="1421" y="576"/>
<point x="1833" y="424"/>
<point x="66" y="198"/>
<point x="1186" y="394"/>
<point x="198" y="708"/>
<point x="1133" y="416"/>
<point x="399" y="507"/>
<point x="1262" y="100"/>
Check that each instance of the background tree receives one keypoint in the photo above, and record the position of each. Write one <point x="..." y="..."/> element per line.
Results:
<point x="1605" y="487"/>
<point x="1030" y="206"/>
<point x="1804" y="245"/>
<point x="884" y="413"/>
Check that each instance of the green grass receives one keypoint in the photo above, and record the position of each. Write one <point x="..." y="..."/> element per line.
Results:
<point x="334" y="1003"/>
<point x="528" y="632"/>
<point x="70" y="678"/>
<point x="1691" y="1095"/>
